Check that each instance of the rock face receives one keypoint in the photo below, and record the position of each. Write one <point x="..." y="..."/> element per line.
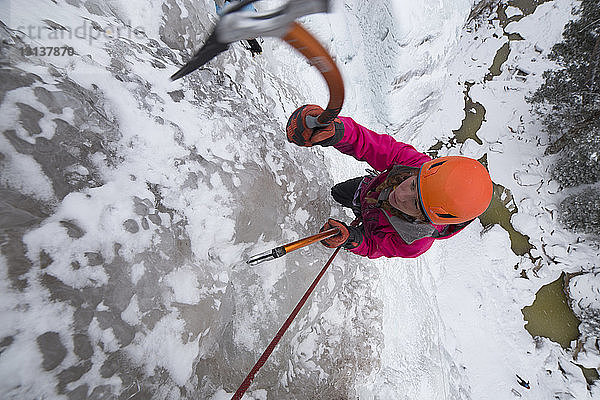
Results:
<point x="122" y="194"/>
<point x="52" y="350"/>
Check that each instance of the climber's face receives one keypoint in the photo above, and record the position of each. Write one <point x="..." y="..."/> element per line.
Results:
<point x="406" y="199"/>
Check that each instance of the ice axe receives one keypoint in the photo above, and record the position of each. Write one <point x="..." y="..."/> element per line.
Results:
<point x="265" y="355"/>
<point x="286" y="248"/>
<point x="236" y="24"/>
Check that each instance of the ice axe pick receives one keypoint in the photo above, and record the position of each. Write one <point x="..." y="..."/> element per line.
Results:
<point x="236" y="24"/>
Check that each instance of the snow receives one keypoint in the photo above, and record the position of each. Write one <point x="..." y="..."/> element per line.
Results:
<point x="36" y="184"/>
<point x="512" y="12"/>
<point x="137" y="271"/>
<point x="131" y="314"/>
<point x="148" y="263"/>
<point x="162" y="347"/>
<point x="185" y="285"/>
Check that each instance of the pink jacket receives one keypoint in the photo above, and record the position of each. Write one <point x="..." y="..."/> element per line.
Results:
<point x="382" y="153"/>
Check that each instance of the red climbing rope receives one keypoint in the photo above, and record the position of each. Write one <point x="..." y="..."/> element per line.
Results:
<point x="263" y="358"/>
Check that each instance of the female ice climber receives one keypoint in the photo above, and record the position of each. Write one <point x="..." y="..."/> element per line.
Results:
<point x="410" y="201"/>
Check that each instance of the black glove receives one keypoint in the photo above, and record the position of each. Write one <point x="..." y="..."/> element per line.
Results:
<point x="349" y="236"/>
<point x="300" y="134"/>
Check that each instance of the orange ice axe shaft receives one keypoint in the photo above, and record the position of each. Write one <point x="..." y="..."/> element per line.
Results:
<point x="286" y="248"/>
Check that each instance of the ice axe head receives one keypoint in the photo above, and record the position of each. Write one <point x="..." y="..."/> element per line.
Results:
<point x="236" y="24"/>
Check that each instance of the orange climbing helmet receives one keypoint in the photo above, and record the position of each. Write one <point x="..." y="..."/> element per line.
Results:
<point x="454" y="189"/>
